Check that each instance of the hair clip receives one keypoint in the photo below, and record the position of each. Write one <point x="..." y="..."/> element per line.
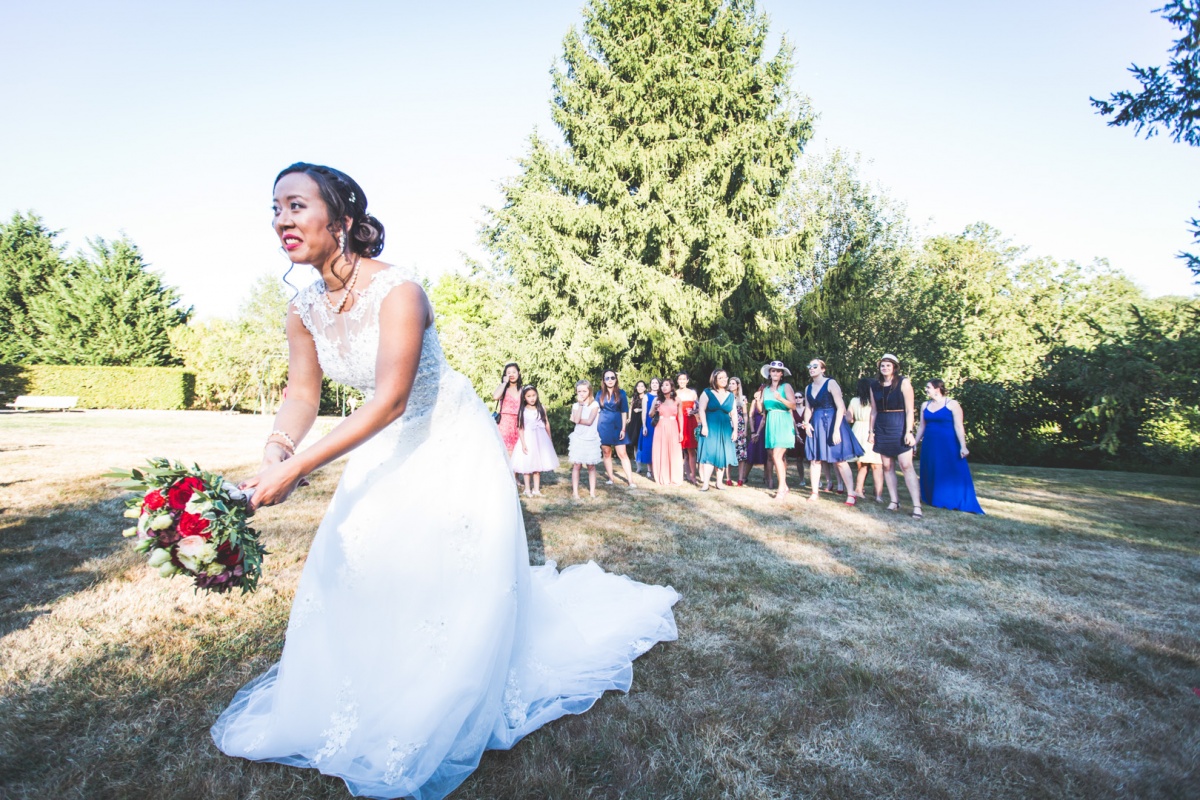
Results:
<point x="353" y="198"/>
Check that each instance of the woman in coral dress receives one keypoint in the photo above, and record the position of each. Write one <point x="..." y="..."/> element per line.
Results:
<point x="667" y="460"/>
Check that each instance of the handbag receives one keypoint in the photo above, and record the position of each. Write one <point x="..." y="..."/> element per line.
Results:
<point x="496" y="413"/>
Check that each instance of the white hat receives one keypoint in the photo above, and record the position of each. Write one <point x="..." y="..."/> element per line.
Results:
<point x="766" y="370"/>
<point x="890" y="357"/>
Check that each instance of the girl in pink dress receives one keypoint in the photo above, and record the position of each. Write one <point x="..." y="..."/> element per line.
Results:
<point x="668" y="437"/>
<point x="534" y="452"/>
<point x="508" y="401"/>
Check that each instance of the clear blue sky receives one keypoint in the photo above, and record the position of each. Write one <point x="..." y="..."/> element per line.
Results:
<point x="168" y="121"/>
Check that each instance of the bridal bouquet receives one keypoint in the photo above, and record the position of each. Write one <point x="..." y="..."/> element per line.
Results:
<point x="194" y="523"/>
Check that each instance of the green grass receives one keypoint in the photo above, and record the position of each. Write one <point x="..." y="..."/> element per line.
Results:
<point x="1049" y="649"/>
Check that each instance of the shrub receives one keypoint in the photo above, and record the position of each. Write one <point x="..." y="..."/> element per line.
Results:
<point x="103" y="387"/>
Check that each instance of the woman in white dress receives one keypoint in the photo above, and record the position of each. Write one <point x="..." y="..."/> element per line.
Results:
<point x="419" y="634"/>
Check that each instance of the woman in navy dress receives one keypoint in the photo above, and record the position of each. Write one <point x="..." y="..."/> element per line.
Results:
<point x="830" y="440"/>
<point x="891" y="430"/>
<point x="945" y="477"/>
<point x="614" y="418"/>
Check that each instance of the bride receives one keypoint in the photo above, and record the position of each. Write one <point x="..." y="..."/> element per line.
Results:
<point x="419" y="635"/>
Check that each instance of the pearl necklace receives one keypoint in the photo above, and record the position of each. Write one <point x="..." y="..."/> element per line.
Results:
<point x="346" y="295"/>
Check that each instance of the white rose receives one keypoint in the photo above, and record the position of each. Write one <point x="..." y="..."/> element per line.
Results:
<point x="129" y="532"/>
<point x="161" y="522"/>
<point x="195" y="553"/>
<point x="167" y="570"/>
<point x="159" y="557"/>
<point x="197" y="505"/>
<point x="132" y="513"/>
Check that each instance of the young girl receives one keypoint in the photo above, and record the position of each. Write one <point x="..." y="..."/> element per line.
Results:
<point x="534" y="452"/>
<point x="583" y="447"/>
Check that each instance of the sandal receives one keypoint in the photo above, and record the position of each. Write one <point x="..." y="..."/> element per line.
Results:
<point x="850" y="500"/>
<point x="893" y="506"/>
<point x="918" y="513"/>
<point x="813" y="498"/>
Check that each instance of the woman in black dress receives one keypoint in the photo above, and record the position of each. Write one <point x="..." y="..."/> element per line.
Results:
<point x="892" y="430"/>
<point x="633" y="430"/>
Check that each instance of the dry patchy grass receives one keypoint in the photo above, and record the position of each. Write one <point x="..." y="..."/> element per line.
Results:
<point x="1046" y="650"/>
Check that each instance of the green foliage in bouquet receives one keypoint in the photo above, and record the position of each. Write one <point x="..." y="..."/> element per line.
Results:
<point x="193" y="522"/>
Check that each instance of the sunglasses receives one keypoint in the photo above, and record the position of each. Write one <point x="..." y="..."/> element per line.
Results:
<point x="814" y="366"/>
<point x="610" y="377"/>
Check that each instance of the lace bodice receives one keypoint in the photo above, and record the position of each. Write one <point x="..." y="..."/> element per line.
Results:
<point x="348" y="343"/>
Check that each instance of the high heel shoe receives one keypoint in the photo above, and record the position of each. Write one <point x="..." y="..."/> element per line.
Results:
<point x="851" y="500"/>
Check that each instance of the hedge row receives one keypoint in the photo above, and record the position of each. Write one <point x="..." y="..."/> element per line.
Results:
<point x="103" y="387"/>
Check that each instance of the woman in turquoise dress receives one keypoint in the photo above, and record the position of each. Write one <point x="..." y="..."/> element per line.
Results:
<point x="945" y="477"/>
<point x="779" y="432"/>
<point x="715" y="436"/>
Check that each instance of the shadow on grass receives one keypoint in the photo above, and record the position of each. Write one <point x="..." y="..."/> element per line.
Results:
<point x="42" y="559"/>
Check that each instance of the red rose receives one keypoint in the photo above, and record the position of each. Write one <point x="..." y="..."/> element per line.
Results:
<point x="153" y="500"/>
<point x="179" y="494"/>
<point x="228" y="555"/>
<point x="193" y="525"/>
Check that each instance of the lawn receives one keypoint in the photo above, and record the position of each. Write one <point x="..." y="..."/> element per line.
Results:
<point x="1049" y="649"/>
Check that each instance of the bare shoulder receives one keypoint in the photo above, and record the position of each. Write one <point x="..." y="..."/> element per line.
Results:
<point x="953" y="404"/>
<point x="406" y="299"/>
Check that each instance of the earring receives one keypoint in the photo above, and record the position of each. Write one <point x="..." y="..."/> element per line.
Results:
<point x="342" y="241"/>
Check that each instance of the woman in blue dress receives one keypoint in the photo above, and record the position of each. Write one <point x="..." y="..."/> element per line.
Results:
<point x="945" y="477"/>
<point x="645" y="450"/>
<point x="830" y="440"/>
<point x="614" y="418"/>
<point x="716" y="435"/>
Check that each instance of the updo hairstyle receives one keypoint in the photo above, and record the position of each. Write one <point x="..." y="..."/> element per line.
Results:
<point x="343" y="198"/>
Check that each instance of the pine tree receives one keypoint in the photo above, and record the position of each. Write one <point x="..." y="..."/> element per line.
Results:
<point x="110" y="311"/>
<point x="30" y="263"/>
<point x="651" y="238"/>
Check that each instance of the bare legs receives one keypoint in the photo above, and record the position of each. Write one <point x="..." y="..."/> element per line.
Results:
<point x="607" y="451"/>
<point x="706" y="471"/>
<point x="779" y="457"/>
<point x="689" y="457"/>
<point x="876" y="481"/>
<point x="537" y="484"/>
<point x="910" y="479"/>
<point x="575" y="479"/>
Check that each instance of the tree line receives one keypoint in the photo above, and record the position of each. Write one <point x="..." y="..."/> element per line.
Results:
<point x="679" y="225"/>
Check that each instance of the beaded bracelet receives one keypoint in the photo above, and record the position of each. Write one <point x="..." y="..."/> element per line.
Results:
<point x="288" y="439"/>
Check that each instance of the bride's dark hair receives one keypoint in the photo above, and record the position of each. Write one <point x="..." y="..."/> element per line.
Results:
<point x="344" y="198"/>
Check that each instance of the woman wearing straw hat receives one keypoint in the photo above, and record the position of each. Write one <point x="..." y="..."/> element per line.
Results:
<point x="892" y="430"/>
<point x="780" y="433"/>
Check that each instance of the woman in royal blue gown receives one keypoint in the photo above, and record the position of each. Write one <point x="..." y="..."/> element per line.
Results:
<point x="945" y="476"/>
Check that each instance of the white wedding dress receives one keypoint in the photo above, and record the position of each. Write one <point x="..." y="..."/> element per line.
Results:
<point x="420" y="636"/>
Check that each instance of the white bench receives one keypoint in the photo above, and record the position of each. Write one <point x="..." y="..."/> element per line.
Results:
<point x="43" y="403"/>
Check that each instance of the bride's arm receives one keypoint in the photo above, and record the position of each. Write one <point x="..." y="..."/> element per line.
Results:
<point x="403" y="316"/>
<point x="298" y="412"/>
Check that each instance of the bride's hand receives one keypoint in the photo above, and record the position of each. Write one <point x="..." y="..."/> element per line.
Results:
<point x="273" y="454"/>
<point x="272" y="485"/>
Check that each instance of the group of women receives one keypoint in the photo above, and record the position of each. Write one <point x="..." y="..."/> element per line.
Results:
<point x="678" y="435"/>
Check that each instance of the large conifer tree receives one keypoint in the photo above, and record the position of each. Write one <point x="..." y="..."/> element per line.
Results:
<point x="30" y="264"/>
<point x="112" y="311"/>
<point x="651" y="239"/>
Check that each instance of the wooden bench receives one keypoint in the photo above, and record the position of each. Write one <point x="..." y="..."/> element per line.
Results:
<point x="43" y="403"/>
